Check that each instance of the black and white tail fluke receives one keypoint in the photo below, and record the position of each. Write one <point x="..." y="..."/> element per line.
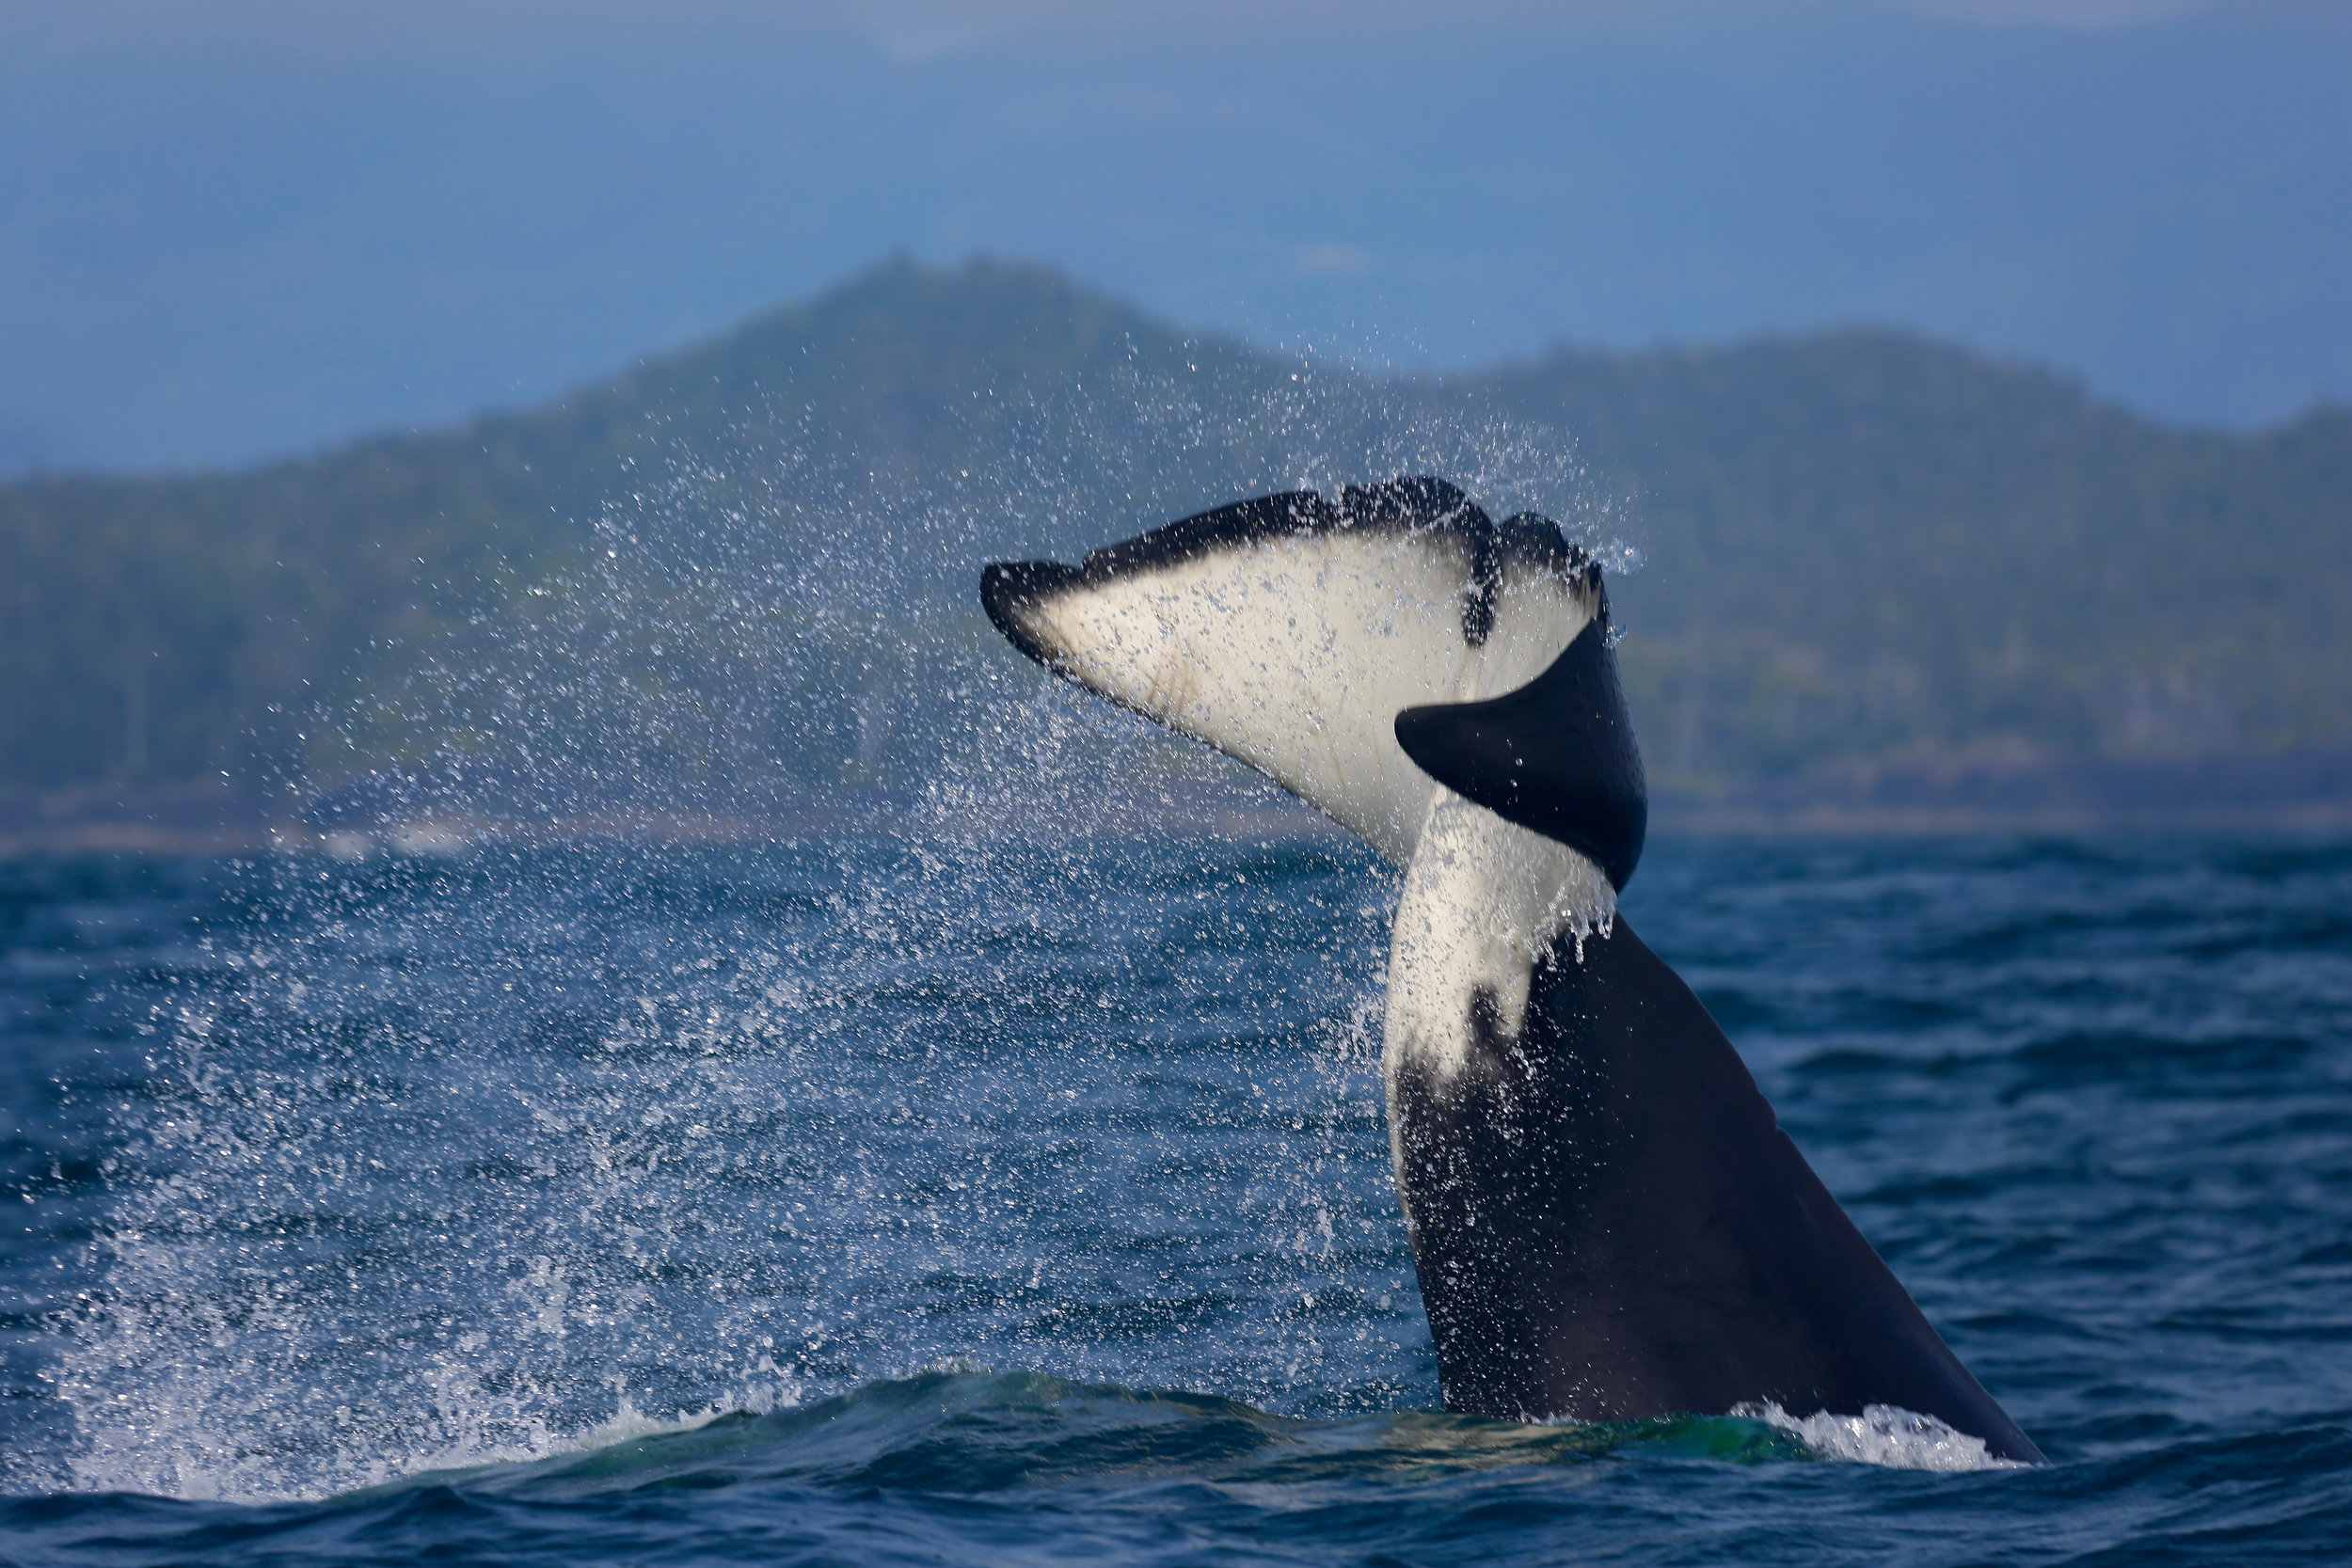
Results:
<point x="1290" y="632"/>
<point x="1607" y="1220"/>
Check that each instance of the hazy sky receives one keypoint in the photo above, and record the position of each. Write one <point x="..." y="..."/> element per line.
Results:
<point x="234" y="229"/>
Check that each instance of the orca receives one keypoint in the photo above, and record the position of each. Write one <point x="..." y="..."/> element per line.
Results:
<point x="1607" y="1221"/>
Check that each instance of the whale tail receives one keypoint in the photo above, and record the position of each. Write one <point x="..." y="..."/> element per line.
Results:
<point x="1290" y="632"/>
<point x="1607" y="1220"/>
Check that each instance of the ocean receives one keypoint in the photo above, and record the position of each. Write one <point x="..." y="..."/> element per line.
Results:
<point x="1002" y="1197"/>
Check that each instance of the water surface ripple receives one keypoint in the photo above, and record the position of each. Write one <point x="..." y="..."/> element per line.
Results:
<point x="871" y="1200"/>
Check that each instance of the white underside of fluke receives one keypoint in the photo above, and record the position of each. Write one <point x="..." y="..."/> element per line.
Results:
<point x="1295" y="654"/>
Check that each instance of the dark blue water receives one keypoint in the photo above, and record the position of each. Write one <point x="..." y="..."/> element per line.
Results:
<point x="867" y="1201"/>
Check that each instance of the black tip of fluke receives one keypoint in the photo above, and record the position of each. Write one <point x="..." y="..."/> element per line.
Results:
<point x="1556" y="756"/>
<point x="1009" y="586"/>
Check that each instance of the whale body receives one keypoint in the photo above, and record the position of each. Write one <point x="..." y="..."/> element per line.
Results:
<point x="1606" y="1219"/>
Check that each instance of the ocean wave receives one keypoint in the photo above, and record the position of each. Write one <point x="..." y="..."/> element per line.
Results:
<point x="973" y="1433"/>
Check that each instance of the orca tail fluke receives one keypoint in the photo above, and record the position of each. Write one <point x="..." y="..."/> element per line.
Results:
<point x="1607" y="1219"/>
<point x="1288" y="631"/>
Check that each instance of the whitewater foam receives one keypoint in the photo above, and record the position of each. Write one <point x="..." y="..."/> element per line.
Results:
<point x="1882" y="1434"/>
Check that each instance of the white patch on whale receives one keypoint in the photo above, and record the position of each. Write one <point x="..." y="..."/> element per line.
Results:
<point x="1484" y="900"/>
<point x="1295" y="652"/>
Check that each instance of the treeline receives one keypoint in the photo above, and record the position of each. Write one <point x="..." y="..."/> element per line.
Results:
<point x="1858" y="550"/>
<point x="1864" y="546"/>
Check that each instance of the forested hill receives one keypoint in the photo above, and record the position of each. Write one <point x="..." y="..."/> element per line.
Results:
<point x="1865" y="550"/>
<point x="1867" y="563"/>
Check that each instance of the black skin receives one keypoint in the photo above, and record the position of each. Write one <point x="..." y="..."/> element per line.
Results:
<point x="1557" y="755"/>
<point x="1609" y="1223"/>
